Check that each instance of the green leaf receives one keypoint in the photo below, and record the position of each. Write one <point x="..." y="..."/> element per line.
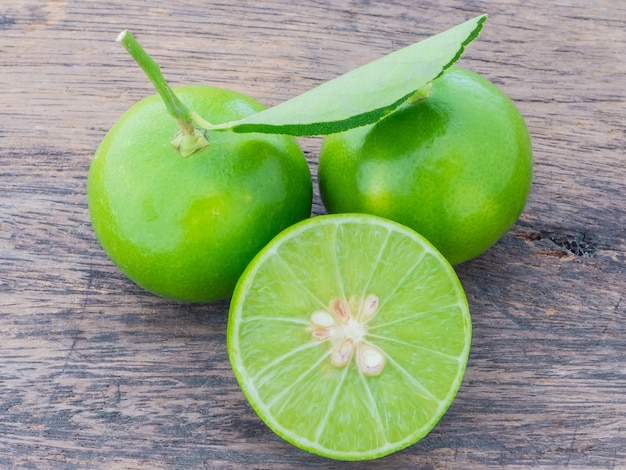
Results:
<point x="366" y="94"/>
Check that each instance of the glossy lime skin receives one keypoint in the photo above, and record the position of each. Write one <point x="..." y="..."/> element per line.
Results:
<point x="186" y="228"/>
<point x="456" y="167"/>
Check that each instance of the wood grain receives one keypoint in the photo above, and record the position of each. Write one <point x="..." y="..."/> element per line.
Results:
<point x="96" y="373"/>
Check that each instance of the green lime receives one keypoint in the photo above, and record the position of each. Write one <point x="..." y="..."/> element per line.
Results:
<point x="455" y="166"/>
<point x="349" y="335"/>
<point x="186" y="227"/>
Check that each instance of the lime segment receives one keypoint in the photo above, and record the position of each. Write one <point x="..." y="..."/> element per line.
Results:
<point x="349" y="335"/>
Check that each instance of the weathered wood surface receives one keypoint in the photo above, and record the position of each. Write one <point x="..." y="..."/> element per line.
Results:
<point x="95" y="373"/>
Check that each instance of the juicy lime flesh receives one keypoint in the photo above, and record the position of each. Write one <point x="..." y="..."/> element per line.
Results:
<point x="186" y="228"/>
<point x="456" y="166"/>
<point x="349" y="335"/>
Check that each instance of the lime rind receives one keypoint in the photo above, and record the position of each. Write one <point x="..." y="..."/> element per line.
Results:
<point x="287" y="376"/>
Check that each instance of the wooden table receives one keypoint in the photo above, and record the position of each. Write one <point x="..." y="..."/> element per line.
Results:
<point x="96" y="373"/>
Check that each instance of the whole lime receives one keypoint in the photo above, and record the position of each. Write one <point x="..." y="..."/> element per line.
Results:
<point x="186" y="228"/>
<point x="455" y="166"/>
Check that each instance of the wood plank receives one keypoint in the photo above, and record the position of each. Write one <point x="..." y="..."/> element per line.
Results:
<point x="96" y="373"/>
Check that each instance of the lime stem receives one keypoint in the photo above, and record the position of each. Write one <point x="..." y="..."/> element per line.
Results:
<point x="174" y="106"/>
<point x="421" y="94"/>
<point x="189" y="138"/>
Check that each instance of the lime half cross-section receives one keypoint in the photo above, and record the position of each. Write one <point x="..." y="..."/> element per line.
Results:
<point x="349" y="335"/>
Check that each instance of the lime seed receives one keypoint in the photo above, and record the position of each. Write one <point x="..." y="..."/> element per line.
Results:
<point x="345" y="326"/>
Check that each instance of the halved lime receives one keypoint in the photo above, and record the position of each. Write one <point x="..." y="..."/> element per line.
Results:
<point x="349" y="335"/>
